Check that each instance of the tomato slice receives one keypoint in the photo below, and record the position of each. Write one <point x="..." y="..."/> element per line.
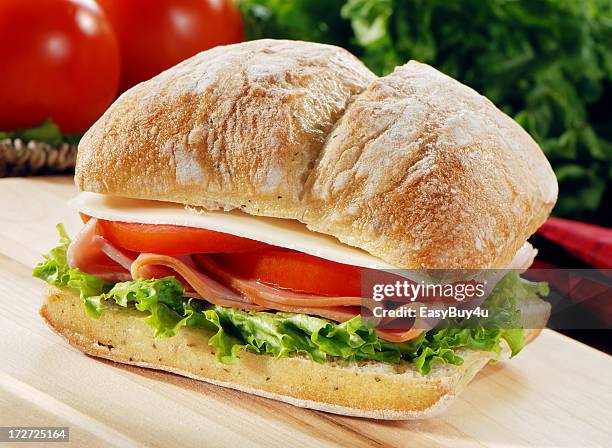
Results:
<point x="253" y="260"/>
<point x="296" y="271"/>
<point x="166" y="239"/>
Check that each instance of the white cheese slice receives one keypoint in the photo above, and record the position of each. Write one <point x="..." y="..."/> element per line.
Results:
<point x="286" y="233"/>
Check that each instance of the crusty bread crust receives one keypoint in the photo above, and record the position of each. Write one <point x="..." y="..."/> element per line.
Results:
<point x="366" y="389"/>
<point x="424" y="172"/>
<point x="415" y="168"/>
<point x="237" y="126"/>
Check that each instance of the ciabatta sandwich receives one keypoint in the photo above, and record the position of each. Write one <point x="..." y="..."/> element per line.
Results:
<point x="232" y="203"/>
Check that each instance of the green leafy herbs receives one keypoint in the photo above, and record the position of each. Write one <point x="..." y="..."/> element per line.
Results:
<point x="279" y="334"/>
<point x="46" y="132"/>
<point x="547" y="63"/>
<point x="309" y="20"/>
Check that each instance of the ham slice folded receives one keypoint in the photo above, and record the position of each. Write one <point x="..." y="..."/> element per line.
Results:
<point x="523" y="258"/>
<point x="92" y="253"/>
<point x="204" y="286"/>
<point x="269" y="294"/>
<point x="227" y="290"/>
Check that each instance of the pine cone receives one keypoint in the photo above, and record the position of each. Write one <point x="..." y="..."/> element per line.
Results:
<point x="34" y="158"/>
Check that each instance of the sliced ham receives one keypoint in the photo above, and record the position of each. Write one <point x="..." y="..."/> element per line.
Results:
<point x="523" y="258"/>
<point x="243" y="294"/>
<point x="206" y="279"/>
<point x="119" y="256"/>
<point x="95" y="255"/>
<point x="260" y="296"/>
<point x="398" y="335"/>
<point x="264" y="293"/>
<point x="203" y="285"/>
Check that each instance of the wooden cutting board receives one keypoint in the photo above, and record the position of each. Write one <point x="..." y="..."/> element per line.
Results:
<point x="556" y="393"/>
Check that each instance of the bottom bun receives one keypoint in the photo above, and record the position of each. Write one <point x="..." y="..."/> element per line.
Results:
<point x="364" y="389"/>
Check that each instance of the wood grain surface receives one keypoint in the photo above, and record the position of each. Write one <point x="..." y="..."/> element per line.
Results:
<point x="556" y="393"/>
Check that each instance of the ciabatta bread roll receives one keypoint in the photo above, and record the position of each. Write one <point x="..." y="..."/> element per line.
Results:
<point x="415" y="168"/>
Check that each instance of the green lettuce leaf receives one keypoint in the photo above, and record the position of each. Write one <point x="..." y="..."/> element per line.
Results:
<point x="503" y="323"/>
<point x="47" y="132"/>
<point x="279" y="334"/>
<point x="161" y="299"/>
<point x="283" y="334"/>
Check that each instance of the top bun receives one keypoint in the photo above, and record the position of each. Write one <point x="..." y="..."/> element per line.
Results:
<point x="414" y="167"/>
<point x="237" y="126"/>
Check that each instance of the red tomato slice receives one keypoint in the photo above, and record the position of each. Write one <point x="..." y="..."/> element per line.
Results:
<point x="296" y="271"/>
<point x="246" y="258"/>
<point x="172" y="240"/>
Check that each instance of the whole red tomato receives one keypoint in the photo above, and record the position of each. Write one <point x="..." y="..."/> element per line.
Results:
<point x="60" y="59"/>
<point x="155" y="35"/>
